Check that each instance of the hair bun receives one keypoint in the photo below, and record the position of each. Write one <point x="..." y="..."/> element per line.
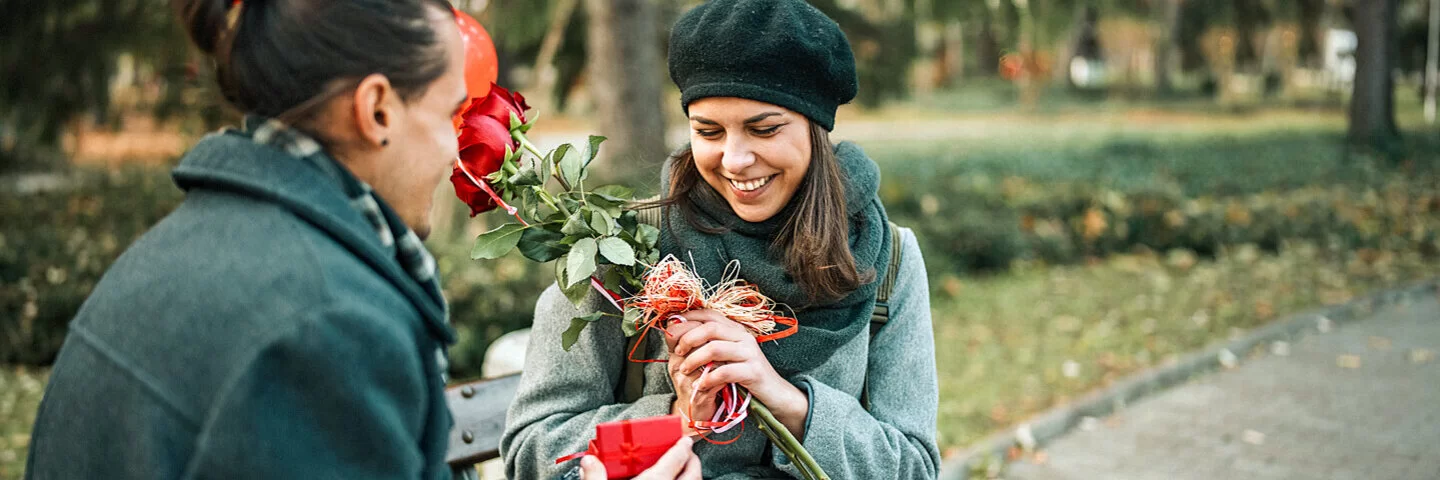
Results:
<point x="206" y="21"/>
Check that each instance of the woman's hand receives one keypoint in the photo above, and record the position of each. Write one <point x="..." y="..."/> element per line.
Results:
<point x="707" y="337"/>
<point x="678" y="463"/>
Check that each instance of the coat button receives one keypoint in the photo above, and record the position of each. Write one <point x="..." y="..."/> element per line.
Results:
<point x="467" y="391"/>
<point x="467" y="437"/>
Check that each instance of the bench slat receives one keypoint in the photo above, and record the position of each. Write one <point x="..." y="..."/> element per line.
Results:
<point x="479" y="411"/>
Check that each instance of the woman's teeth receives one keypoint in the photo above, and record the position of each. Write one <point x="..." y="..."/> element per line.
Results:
<point x="751" y="185"/>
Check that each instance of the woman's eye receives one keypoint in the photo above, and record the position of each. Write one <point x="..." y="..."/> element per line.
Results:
<point x="765" y="132"/>
<point x="707" y="133"/>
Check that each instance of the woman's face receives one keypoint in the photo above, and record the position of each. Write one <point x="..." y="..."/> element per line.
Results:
<point x="755" y="154"/>
<point x="422" y="144"/>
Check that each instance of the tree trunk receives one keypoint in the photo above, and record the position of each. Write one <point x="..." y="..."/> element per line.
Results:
<point x="987" y="47"/>
<point x="625" y="75"/>
<point x="546" y="74"/>
<point x="1372" y="105"/>
<point x="1312" y="13"/>
<point x="1249" y="17"/>
<point x="1168" y="13"/>
<point x="1190" y="24"/>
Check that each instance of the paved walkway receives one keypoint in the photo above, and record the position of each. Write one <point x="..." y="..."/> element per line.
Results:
<point x="1359" y="402"/>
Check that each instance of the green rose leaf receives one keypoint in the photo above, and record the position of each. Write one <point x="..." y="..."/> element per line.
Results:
<point x="576" y="293"/>
<point x="628" y="324"/>
<point x="581" y="262"/>
<point x="559" y="153"/>
<point x="628" y="220"/>
<point x="560" y="269"/>
<point x="527" y="176"/>
<point x="594" y="150"/>
<point x="602" y="222"/>
<point x="646" y="234"/>
<point x="572" y="167"/>
<point x="616" y="193"/>
<point x="496" y="243"/>
<point x="614" y="281"/>
<point x="617" y="251"/>
<point x="542" y="245"/>
<point x="612" y="207"/>
<point x="577" y="325"/>
<point x="576" y="225"/>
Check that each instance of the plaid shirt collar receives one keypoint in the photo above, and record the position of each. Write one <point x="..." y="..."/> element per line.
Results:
<point x="394" y="235"/>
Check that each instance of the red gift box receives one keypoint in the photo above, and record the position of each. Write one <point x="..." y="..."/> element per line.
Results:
<point x="628" y="447"/>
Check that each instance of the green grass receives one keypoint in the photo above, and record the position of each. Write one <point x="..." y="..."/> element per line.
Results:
<point x="20" y="390"/>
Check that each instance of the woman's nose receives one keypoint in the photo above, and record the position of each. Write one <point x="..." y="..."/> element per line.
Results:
<point x="737" y="157"/>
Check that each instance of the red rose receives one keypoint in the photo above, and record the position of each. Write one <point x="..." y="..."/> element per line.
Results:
<point x="484" y="131"/>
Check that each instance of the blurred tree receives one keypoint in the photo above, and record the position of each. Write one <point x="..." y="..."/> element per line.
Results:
<point x="1084" y="44"/>
<point x="1166" y="15"/>
<point x="1249" y="17"/>
<point x="547" y="73"/>
<point x="1192" y="20"/>
<point x="625" y="73"/>
<point x="60" y="58"/>
<point x="882" y="34"/>
<point x="1310" y="15"/>
<point x="1372" y="104"/>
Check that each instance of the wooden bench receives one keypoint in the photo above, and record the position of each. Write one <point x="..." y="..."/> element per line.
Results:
<point x="479" y="410"/>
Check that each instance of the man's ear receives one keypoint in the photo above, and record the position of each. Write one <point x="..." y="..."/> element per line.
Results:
<point x="374" y="111"/>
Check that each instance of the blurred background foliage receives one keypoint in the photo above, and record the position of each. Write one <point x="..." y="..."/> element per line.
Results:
<point x="1103" y="182"/>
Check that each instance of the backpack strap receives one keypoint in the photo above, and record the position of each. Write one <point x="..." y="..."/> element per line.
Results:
<point x="881" y="315"/>
<point x="887" y="283"/>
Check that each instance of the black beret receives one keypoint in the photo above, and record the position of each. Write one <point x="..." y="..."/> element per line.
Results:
<point x="781" y="52"/>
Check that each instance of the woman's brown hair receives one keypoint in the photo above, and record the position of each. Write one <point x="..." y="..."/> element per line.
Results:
<point x="281" y="58"/>
<point x="814" y="243"/>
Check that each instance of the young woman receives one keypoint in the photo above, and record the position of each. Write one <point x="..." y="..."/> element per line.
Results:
<point x="285" y="321"/>
<point x="761" y="184"/>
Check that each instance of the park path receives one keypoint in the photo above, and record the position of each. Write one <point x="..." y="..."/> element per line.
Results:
<point x="1359" y="402"/>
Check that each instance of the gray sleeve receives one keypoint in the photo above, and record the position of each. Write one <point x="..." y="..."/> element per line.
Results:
<point x="896" y="437"/>
<point x="563" y="395"/>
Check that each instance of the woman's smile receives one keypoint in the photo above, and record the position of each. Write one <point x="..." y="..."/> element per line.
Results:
<point x="746" y="190"/>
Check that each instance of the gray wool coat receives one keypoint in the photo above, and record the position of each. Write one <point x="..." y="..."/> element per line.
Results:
<point x="563" y="395"/>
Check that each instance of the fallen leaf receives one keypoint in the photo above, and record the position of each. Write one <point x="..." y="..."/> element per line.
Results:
<point x="1228" y="359"/>
<point x="1024" y="438"/>
<point x="1070" y="369"/>
<point x="1094" y="223"/>
<point x="1264" y="310"/>
<point x="1421" y="355"/>
<point x="952" y="285"/>
<point x="1067" y="323"/>
<point x="1348" y="361"/>
<point x="1040" y="457"/>
<point x="1252" y="437"/>
<point x="999" y="414"/>
<point x="1380" y="343"/>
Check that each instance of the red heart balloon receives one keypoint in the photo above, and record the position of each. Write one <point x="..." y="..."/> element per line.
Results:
<point x="481" y="67"/>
